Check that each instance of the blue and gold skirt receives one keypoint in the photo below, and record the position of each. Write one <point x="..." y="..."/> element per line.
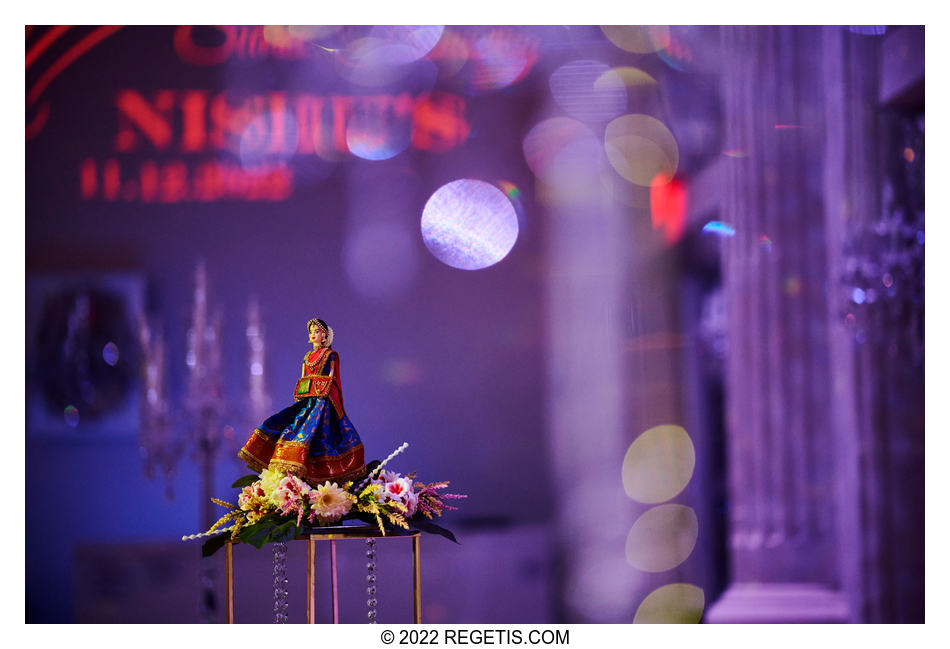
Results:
<point x="309" y="439"/>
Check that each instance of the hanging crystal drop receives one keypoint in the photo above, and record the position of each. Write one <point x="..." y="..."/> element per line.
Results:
<point x="280" y="583"/>
<point x="371" y="580"/>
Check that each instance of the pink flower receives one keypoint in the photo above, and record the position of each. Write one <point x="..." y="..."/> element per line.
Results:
<point x="290" y="494"/>
<point x="398" y="489"/>
<point x="252" y="498"/>
<point x="290" y="489"/>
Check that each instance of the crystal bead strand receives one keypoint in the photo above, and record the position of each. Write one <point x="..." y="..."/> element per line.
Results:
<point x="371" y="580"/>
<point x="280" y="583"/>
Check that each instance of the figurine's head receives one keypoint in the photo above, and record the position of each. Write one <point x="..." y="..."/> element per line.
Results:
<point x="320" y="332"/>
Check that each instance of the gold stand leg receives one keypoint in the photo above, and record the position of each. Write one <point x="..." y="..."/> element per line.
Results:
<point x="229" y="579"/>
<point x="416" y="580"/>
<point x="333" y="583"/>
<point x="311" y="602"/>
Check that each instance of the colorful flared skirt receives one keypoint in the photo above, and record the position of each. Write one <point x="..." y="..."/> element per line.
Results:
<point x="309" y="439"/>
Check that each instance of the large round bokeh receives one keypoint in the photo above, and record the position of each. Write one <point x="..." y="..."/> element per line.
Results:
<point x="469" y="224"/>
<point x="672" y="604"/>
<point x="662" y="538"/>
<point x="658" y="465"/>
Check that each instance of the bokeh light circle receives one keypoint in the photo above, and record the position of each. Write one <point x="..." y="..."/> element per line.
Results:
<point x="672" y="604"/>
<point x="662" y="538"/>
<point x="402" y="372"/>
<point x="513" y="192"/>
<point x="450" y="53"/>
<point x="640" y="148"/>
<point x="469" y="224"/>
<point x="497" y="59"/>
<point x="401" y="44"/>
<point x="630" y="76"/>
<point x="372" y="136"/>
<point x="278" y="36"/>
<point x="71" y="416"/>
<point x="311" y="32"/>
<point x="589" y="90"/>
<point x="560" y="150"/>
<point x="374" y="62"/>
<point x="658" y="465"/>
<point x="380" y="259"/>
<point x="110" y="354"/>
<point x="624" y="191"/>
<point x="639" y="39"/>
<point x="268" y="138"/>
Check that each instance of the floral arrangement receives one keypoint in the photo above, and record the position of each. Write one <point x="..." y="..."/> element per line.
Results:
<point x="275" y="506"/>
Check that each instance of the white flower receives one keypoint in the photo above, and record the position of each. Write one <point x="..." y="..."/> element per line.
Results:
<point x="387" y="476"/>
<point x="328" y="502"/>
<point x="270" y="482"/>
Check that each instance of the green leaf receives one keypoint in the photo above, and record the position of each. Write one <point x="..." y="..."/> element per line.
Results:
<point x="214" y="544"/>
<point x="246" y="480"/>
<point x="425" y="525"/>
<point x="258" y="533"/>
<point x="284" y="532"/>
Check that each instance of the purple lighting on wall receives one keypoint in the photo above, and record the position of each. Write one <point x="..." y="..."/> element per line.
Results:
<point x="589" y="91"/>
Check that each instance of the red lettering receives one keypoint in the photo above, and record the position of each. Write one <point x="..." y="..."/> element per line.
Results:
<point x="256" y="46"/>
<point x="35" y="125"/>
<point x="152" y="120"/>
<point x="439" y="122"/>
<point x="235" y="181"/>
<point x="191" y="52"/>
<point x="249" y="124"/>
<point x="193" y="120"/>
<point x="220" y="116"/>
<point x="207" y="184"/>
<point x="110" y="180"/>
<point x="368" y="104"/>
<point x="87" y="179"/>
<point x="148" y="179"/>
<point x="259" y="124"/>
<point x="403" y="105"/>
<point x="173" y="184"/>
<point x="281" y="183"/>
<point x="278" y="139"/>
<point x="309" y="111"/>
<point x="342" y="108"/>
<point x="240" y="41"/>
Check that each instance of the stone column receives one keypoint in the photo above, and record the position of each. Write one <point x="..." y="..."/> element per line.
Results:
<point x="587" y="256"/>
<point x="877" y="385"/>
<point x="852" y="185"/>
<point x="781" y="442"/>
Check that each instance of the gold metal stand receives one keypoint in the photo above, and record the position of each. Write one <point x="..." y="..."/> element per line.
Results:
<point x="333" y="535"/>
<point x="229" y="561"/>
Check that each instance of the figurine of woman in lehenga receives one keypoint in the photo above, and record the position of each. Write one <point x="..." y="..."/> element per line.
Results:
<point x="313" y="438"/>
